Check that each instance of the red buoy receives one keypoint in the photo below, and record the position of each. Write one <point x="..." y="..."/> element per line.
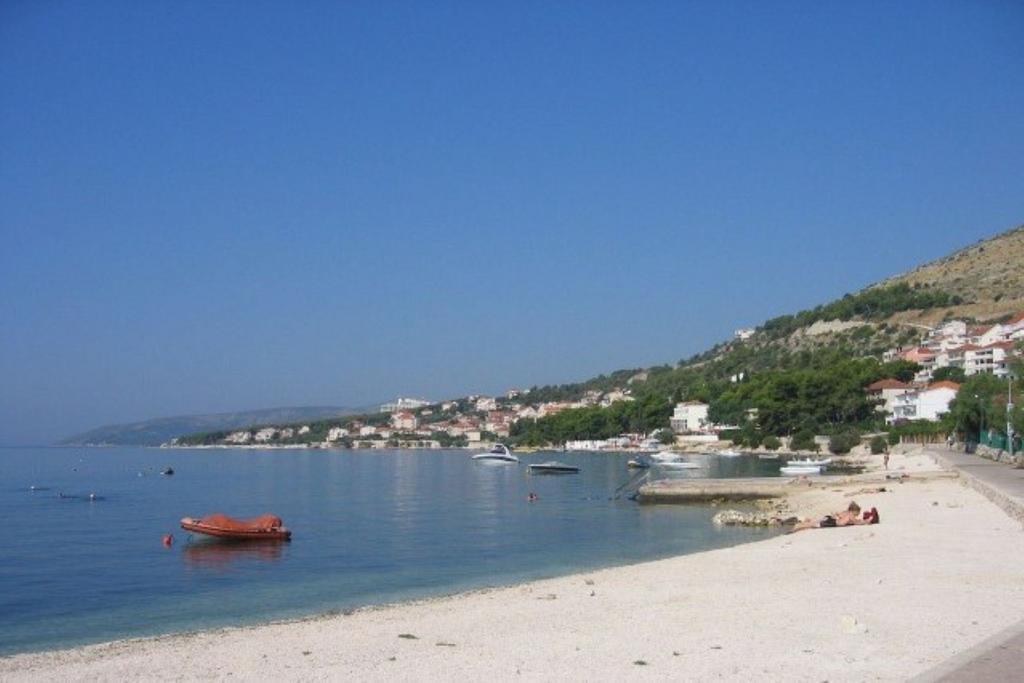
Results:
<point x="168" y="540"/>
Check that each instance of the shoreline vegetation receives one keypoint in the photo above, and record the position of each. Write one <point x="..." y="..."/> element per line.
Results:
<point x="886" y="602"/>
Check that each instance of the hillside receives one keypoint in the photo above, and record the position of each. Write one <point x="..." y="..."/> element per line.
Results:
<point x="988" y="275"/>
<point x="798" y="373"/>
<point x="160" y="430"/>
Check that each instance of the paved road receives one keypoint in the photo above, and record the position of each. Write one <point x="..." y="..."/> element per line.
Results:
<point x="1001" y="657"/>
<point x="999" y="475"/>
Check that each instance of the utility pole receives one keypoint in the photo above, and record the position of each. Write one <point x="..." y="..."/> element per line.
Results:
<point x="981" y="415"/>
<point x="1009" y="423"/>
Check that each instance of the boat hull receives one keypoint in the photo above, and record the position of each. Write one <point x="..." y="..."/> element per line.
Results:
<point x="553" y="469"/>
<point x="800" y="470"/>
<point x="487" y="457"/>
<point x="198" y="527"/>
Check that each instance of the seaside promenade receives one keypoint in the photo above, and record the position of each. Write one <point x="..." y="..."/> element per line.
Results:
<point x="1000" y="657"/>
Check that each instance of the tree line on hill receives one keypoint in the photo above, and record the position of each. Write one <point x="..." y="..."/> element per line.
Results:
<point x="814" y="392"/>
<point x="877" y="303"/>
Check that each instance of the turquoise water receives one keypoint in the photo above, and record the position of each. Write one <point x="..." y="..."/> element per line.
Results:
<point x="369" y="527"/>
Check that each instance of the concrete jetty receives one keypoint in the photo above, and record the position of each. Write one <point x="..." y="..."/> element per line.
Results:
<point x="704" y="490"/>
<point x="760" y="488"/>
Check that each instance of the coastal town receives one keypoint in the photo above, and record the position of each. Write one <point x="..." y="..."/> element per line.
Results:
<point x="943" y="356"/>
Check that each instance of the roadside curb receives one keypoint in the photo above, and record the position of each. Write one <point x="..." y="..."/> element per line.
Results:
<point x="1012" y="506"/>
<point x="957" y="668"/>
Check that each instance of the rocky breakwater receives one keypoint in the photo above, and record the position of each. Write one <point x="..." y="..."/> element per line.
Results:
<point x="753" y="518"/>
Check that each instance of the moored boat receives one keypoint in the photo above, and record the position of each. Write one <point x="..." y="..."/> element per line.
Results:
<point x="637" y="464"/>
<point x="807" y="462"/>
<point x="498" y="453"/>
<point x="664" y="456"/>
<point x="798" y="471"/>
<point x="680" y="465"/>
<point x="264" y="527"/>
<point x="553" y="467"/>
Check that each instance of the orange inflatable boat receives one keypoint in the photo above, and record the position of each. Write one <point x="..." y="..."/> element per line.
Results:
<point x="265" y="527"/>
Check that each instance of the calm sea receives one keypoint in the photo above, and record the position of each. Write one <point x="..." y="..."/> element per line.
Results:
<point x="369" y="527"/>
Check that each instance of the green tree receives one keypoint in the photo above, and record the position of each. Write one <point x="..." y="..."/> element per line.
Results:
<point x="843" y="442"/>
<point x="803" y="440"/>
<point x="950" y="374"/>
<point x="980" y="403"/>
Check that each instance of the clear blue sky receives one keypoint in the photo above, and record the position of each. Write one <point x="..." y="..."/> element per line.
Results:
<point x="217" y="206"/>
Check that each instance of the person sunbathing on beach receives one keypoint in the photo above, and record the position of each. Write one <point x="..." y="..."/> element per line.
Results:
<point x="851" y="516"/>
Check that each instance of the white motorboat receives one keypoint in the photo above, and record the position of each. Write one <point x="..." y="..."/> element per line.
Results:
<point x="730" y="453"/>
<point x="807" y="462"/>
<point x="498" y="453"/>
<point x="553" y="467"/>
<point x="637" y="464"/>
<point x="681" y="465"/>
<point x="664" y="456"/>
<point x="798" y="471"/>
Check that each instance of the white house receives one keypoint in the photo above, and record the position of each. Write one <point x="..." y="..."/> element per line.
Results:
<point x="336" y="433"/>
<point x="614" y="396"/>
<point x="887" y="391"/>
<point x="238" y="437"/>
<point x="486" y="403"/>
<point x="404" y="421"/>
<point x="743" y="334"/>
<point x="924" y="404"/>
<point x="690" y="416"/>
<point x="991" y="359"/>
<point x="404" y="404"/>
<point x="264" y="435"/>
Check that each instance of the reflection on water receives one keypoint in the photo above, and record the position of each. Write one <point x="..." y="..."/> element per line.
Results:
<point x="214" y="554"/>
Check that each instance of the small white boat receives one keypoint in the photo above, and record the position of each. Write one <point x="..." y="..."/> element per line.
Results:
<point x="730" y="453"/>
<point x="665" y="456"/>
<point x="553" y="467"/>
<point x="681" y="465"/>
<point x="823" y="462"/>
<point x="767" y="456"/>
<point x="798" y="471"/>
<point x="637" y="464"/>
<point x="498" y="453"/>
